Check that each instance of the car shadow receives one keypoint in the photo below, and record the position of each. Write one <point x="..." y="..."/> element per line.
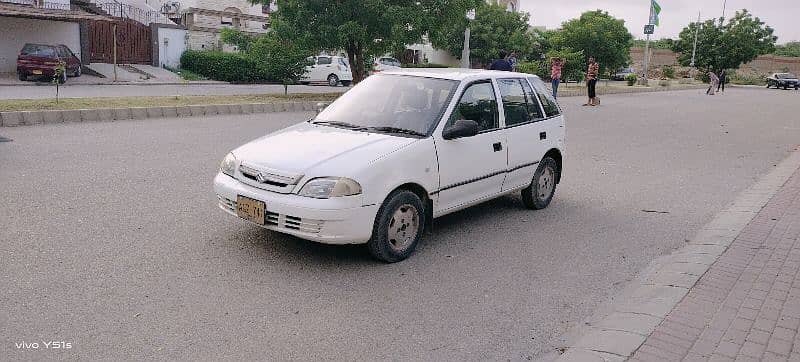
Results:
<point x="293" y="250"/>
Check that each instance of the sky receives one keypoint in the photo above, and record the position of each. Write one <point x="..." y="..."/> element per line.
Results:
<point x="781" y="15"/>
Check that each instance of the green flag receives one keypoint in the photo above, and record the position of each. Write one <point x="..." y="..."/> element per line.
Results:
<point x="655" y="9"/>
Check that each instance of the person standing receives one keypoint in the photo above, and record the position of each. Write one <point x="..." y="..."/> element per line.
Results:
<point x="512" y="59"/>
<point x="723" y="77"/>
<point x="591" y="82"/>
<point x="501" y="63"/>
<point x="556" y="64"/>
<point x="713" y="81"/>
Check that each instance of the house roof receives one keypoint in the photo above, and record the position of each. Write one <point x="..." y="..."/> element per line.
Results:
<point x="31" y="12"/>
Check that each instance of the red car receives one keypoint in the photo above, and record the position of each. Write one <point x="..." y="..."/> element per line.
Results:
<point x="42" y="60"/>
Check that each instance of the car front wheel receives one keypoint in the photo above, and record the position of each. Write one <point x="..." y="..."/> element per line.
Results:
<point x="398" y="227"/>
<point x="78" y="72"/>
<point x="22" y="76"/>
<point x="333" y="80"/>
<point x="540" y="192"/>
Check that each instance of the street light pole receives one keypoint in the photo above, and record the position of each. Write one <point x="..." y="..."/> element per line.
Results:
<point x="465" y="63"/>
<point x="696" y="31"/>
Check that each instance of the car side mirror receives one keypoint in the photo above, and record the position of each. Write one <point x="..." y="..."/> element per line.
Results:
<point x="462" y="128"/>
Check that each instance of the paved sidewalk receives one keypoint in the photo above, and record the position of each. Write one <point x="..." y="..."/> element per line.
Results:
<point x="747" y="305"/>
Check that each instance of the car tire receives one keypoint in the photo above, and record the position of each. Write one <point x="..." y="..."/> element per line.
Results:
<point x="333" y="80"/>
<point x="346" y="83"/>
<point x="22" y="76"/>
<point x="398" y="227"/>
<point x="78" y="72"/>
<point x="542" y="188"/>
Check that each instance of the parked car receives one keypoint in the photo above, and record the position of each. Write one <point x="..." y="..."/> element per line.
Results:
<point x="783" y="80"/>
<point x="328" y="69"/>
<point x="623" y="73"/>
<point x="397" y="150"/>
<point x="41" y="60"/>
<point x="383" y="64"/>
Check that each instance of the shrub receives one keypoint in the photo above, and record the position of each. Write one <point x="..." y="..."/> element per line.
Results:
<point x="743" y="78"/>
<point x="535" y="67"/>
<point x="425" y="65"/>
<point x="663" y="83"/>
<point x="668" y="71"/>
<point x="227" y="67"/>
<point x="631" y="79"/>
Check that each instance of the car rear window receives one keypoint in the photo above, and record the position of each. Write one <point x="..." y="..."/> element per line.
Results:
<point x="39" y="50"/>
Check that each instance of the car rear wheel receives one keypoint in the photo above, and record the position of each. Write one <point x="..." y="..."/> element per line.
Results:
<point x="398" y="227"/>
<point x="333" y="80"/>
<point x="540" y="192"/>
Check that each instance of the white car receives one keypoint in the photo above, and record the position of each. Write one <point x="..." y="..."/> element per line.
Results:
<point x="394" y="152"/>
<point x="384" y="64"/>
<point x="327" y="69"/>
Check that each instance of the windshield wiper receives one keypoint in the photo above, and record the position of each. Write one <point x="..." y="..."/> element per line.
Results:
<point x="396" y="130"/>
<point x="338" y="124"/>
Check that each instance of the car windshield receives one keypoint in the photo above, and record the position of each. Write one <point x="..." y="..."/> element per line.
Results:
<point x="391" y="104"/>
<point x="39" y="50"/>
<point x="787" y="76"/>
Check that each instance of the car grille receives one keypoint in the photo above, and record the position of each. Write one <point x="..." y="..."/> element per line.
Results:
<point x="267" y="179"/>
<point x="279" y="220"/>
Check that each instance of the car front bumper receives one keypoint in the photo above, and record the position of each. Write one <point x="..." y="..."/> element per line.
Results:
<point x="328" y="221"/>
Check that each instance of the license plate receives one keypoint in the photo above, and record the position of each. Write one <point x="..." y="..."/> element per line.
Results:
<point x="37" y="72"/>
<point x="251" y="210"/>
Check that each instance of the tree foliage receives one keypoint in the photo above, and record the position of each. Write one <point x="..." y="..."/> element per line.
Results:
<point x="790" y="49"/>
<point x="598" y="35"/>
<point x="663" y="43"/>
<point x="493" y="29"/>
<point x="363" y="28"/>
<point x="284" y="60"/>
<point x="237" y="38"/>
<point x="740" y="40"/>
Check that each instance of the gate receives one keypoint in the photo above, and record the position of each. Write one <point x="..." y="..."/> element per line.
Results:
<point x="133" y="42"/>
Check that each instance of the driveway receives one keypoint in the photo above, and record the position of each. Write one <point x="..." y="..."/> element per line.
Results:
<point x="112" y="240"/>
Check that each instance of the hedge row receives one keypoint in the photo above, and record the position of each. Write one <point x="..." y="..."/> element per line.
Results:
<point x="227" y="67"/>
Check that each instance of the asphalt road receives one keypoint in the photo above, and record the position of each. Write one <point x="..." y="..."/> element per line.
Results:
<point x="46" y="90"/>
<point x="111" y="240"/>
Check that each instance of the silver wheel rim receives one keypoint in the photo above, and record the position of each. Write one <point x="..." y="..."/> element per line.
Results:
<point x="403" y="227"/>
<point x="545" y="183"/>
<point x="332" y="81"/>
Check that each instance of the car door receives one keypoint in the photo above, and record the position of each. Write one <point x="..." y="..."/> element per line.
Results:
<point x="471" y="169"/>
<point x="323" y="68"/>
<point x="524" y="119"/>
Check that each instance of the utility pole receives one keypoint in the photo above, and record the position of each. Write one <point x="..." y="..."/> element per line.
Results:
<point x="724" y="3"/>
<point x="648" y="31"/>
<point x="115" y="51"/>
<point x="465" y="63"/>
<point x="696" y="31"/>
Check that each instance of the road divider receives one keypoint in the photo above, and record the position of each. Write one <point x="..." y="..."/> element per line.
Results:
<point x="30" y="118"/>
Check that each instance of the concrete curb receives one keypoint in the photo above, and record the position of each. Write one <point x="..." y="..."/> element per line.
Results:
<point x="29" y="118"/>
<point x="644" y="303"/>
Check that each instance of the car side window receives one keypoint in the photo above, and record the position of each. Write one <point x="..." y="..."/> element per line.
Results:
<point x="323" y="60"/>
<point x="548" y="103"/>
<point x="534" y="110"/>
<point x="477" y="103"/>
<point x="514" y="105"/>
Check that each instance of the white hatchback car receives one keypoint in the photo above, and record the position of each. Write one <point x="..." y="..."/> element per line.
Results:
<point x="330" y="70"/>
<point x="397" y="150"/>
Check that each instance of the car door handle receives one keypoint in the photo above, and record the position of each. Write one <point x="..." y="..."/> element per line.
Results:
<point x="542" y="135"/>
<point x="497" y="147"/>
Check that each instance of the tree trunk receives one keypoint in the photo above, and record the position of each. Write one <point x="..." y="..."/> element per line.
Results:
<point x="355" y="55"/>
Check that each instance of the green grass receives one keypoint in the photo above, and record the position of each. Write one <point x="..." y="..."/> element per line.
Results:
<point x="11" y="105"/>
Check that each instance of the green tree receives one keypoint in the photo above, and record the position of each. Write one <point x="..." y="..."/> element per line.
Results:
<point x="281" y="59"/>
<point x="790" y="49"/>
<point x="726" y="46"/>
<point x="363" y="28"/>
<point x="236" y="38"/>
<point x="663" y="43"/>
<point x="493" y="29"/>
<point x="598" y="35"/>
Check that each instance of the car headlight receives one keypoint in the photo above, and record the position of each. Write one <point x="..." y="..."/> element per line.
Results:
<point x="228" y="165"/>
<point x="327" y="187"/>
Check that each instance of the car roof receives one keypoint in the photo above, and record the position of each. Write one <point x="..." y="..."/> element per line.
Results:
<point x="459" y="74"/>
